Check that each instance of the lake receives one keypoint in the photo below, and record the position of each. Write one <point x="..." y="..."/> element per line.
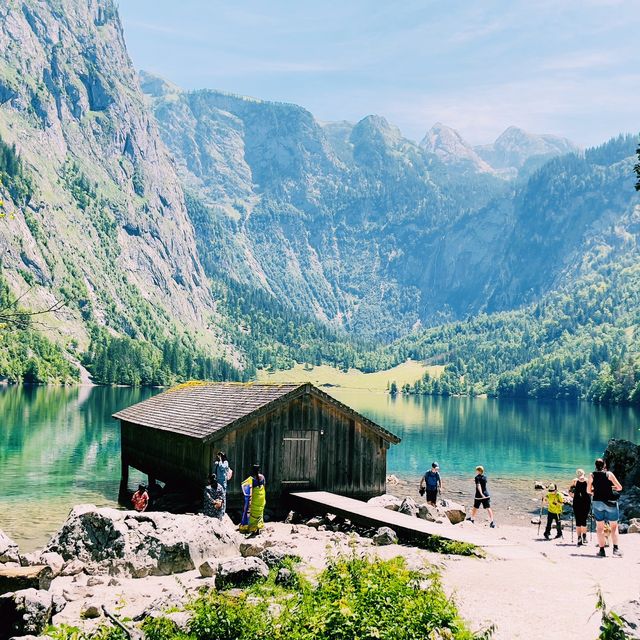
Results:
<point x="59" y="446"/>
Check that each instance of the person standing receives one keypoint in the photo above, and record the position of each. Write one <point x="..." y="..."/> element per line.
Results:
<point x="214" y="499"/>
<point x="601" y="486"/>
<point x="255" y="499"/>
<point x="222" y="470"/>
<point x="140" y="499"/>
<point x="581" y="505"/>
<point x="555" y="500"/>
<point x="431" y="483"/>
<point x="482" y="497"/>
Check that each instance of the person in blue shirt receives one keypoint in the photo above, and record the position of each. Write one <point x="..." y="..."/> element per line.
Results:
<point x="431" y="483"/>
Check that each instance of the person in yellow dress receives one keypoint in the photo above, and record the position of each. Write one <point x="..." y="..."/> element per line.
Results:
<point x="555" y="500"/>
<point x="255" y="499"/>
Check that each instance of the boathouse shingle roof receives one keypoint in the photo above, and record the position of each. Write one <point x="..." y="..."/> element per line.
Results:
<point x="199" y="410"/>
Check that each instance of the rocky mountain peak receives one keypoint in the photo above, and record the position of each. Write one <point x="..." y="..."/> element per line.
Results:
<point x="155" y="86"/>
<point x="514" y="148"/>
<point x="452" y="149"/>
<point x="376" y="129"/>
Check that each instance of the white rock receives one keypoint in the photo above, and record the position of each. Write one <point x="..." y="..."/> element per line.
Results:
<point x="53" y="560"/>
<point x="141" y="544"/>
<point x="8" y="549"/>
<point x="387" y="501"/>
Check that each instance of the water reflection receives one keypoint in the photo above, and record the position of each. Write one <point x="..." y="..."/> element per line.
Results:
<point x="59" y="446"/>
<point x="513" y="437"/>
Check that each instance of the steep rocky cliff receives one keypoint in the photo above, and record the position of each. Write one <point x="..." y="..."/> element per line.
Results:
<point x="337" y="218"/>
<point x="104" y="225"/>
<point x="373" y="232"/>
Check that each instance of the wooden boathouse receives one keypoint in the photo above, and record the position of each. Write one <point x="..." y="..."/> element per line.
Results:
<point x="302" y="437"/>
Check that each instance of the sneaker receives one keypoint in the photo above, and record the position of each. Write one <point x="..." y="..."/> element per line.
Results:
<point x="558" y="535"/>
<point x="579" y="542"/>
<point x="584" y="538"/>
<point x="471" y="520"/>
<point x="601" y="553"/>
<point x="492" y="524"/>
<point x="617" y="552"/>
<point x="546" y="536"/>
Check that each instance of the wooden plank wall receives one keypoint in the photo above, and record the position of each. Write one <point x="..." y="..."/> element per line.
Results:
<point x="166" y="456"/>
<point x="351" y="458"/>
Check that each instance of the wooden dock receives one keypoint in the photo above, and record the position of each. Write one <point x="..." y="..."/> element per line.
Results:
<point x="406" y="527"/>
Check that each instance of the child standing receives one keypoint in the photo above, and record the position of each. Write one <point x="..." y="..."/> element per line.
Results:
<point x="555" y="501"/>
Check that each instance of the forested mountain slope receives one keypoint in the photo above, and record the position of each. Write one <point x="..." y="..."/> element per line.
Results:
<point x="203" y="234"/>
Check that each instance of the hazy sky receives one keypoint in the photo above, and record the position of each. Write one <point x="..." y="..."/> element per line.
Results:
<point x="549" y="66"/>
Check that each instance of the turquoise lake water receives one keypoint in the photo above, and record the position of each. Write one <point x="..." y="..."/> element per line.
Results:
<point x="60" y="446"/>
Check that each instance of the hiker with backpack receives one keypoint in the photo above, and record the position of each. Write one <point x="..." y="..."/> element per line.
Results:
<point x="431" y="483"/>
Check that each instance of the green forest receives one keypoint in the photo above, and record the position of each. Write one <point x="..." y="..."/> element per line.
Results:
<point x="579" y="341"/>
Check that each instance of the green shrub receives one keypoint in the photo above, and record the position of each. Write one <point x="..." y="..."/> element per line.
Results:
<point x="361" y="598"/>
<point x="227" y="617"/>
<point x="354" y="599"/>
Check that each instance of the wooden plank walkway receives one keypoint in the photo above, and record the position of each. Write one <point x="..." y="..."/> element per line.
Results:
<point x="407" y="527"/>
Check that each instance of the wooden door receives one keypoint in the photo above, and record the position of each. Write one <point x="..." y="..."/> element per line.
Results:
<point x="299" y="458"/>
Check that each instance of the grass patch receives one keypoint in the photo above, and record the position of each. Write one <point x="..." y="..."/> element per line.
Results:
<point x="406" y="373"/>
<point x="453" y="547"/>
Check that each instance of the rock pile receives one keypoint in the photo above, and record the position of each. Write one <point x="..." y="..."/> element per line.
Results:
<point x="140" y="544"/>
<point x="623" y="459"/>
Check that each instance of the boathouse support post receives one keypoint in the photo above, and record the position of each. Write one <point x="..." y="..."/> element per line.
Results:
<point x="123" y="498"/>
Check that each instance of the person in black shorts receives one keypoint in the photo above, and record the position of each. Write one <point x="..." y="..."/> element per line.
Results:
<point x="431" y="483"/>
<point x="482" y="497"/>
<point x="581" y="505"/>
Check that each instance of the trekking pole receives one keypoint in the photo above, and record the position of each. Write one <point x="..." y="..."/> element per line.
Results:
<point x="540" y="518"/>
<point x="571" y="526"/>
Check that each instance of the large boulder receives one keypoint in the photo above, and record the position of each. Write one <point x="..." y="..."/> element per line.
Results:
<point x="623" y="459"/>
<point x="240" y="572"/>
<point x="27" y="612"/>
<point x="140" y="544"/>
<point x="387" y="501"/>
<point x="8" y="549"/>
<point x="629" y="503"/>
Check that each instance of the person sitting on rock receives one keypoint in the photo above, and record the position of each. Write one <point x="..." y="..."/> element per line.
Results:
<point x="214" y="499"/>
<point x="555" y="500"/>
<point x="140" y="499"/>
<point x="432" y="483"/>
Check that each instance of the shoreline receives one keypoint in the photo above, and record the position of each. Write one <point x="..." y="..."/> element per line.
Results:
<point x="514" y="501"/>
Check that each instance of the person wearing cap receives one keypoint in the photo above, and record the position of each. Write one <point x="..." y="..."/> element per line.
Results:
<point x="555" y="500"/>
<point x="140" y="499"/>
<point x="431" y="483"/>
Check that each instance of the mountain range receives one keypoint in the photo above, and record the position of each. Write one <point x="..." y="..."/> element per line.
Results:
<point x="160" y="216"/>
